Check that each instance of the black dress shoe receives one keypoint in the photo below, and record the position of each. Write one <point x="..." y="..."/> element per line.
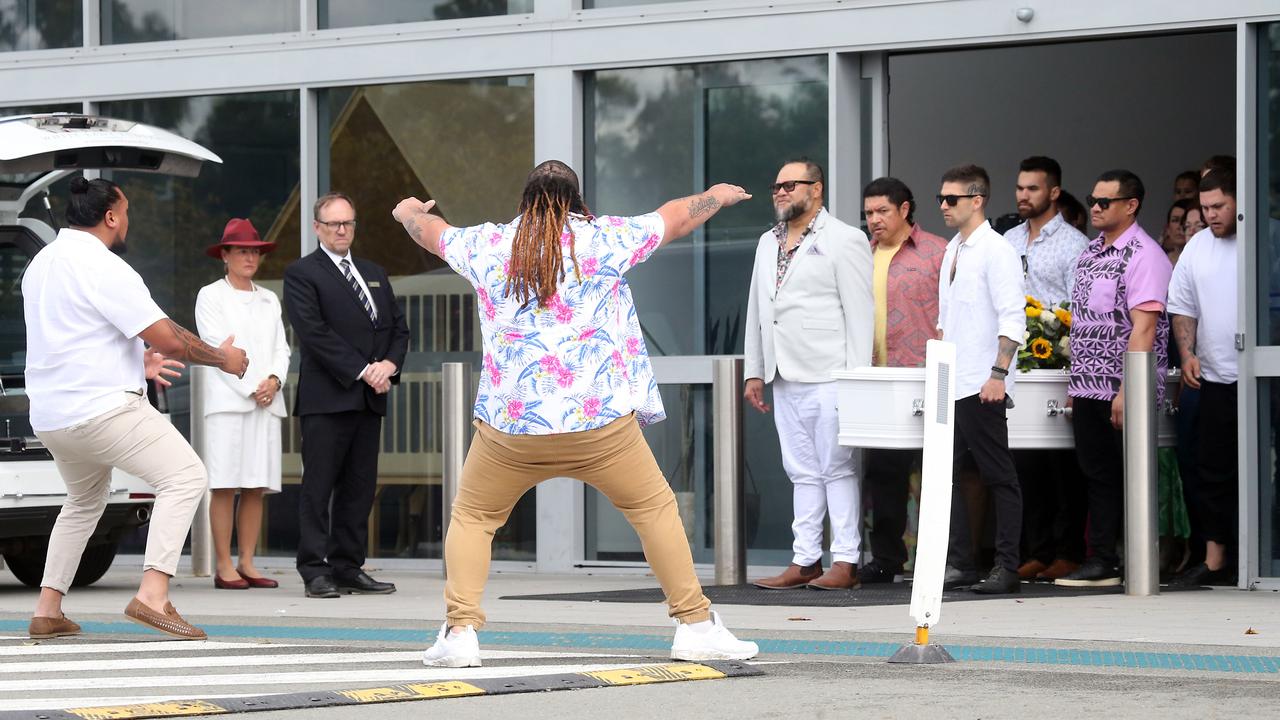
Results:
<point x="1001" y="581"/>
<point x="361" y="584"/>
<point x="1200" y="575"/>
<point x="321" y="586"/>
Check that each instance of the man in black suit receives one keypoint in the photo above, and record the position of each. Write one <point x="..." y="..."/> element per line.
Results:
<point x="353" y="339"/>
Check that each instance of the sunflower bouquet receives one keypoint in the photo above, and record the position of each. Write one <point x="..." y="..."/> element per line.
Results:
<point x="1046" y="343"/>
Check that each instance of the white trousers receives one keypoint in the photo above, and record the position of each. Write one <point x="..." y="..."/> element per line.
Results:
<point x="823" y="473"/>
<point x="142" y="442"/>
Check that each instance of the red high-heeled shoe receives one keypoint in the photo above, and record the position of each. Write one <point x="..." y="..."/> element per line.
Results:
<point x="257" y="582"/>
<point x="221" y="584"/>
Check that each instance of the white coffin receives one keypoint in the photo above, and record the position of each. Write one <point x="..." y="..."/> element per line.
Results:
<point x="881" y="407"/>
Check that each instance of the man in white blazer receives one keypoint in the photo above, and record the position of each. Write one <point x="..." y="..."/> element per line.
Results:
<point x="810" y="313"/>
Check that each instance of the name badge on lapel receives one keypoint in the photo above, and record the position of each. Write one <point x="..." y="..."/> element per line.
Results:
<point x="375" y="284"/>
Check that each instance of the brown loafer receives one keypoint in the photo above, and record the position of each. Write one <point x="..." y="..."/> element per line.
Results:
<point x="793" y="577"/>
<point x="841" y="576"/>
<point x="170" y="623"/>
<point x="43" y="628"/>
<point x="1059" y="568"/>
<point x="1030" y="569"/>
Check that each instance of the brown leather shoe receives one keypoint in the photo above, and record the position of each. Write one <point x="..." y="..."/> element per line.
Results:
<point x="1030" y="569"/>
<point x="793" y="577"/>
<point x="170" y="623"/>
<point x="841" y="576"/>
<point x="1058" y="569"/>
<point x="43" y="628"/>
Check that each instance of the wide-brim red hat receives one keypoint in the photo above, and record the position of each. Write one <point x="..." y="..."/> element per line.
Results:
<point x="239" y="233"/>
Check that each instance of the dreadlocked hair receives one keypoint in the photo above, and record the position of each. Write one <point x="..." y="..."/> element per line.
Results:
<point x="537" y="253"/>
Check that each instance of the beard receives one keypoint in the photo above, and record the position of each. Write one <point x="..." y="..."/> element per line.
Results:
<point x="118" y="246"/>
<point x="1033" y="210"/>
<point x="787" y="213"/>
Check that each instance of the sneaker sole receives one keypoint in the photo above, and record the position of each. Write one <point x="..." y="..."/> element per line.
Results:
<point x="1105" y="582"/>
<point x="453" y="662"/>
<point x="700" y="655"/>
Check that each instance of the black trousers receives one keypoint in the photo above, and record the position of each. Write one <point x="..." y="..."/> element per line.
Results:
<point x="982" y="431"/>
<point x="1217" y="482"/>
<point x="1054" y="507"/>
<point x="1100" y="452"/>
<point x="339" y="478"/>
<point x="887" y="475"/>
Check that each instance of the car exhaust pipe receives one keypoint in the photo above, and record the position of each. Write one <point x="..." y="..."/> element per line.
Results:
<point x="142" y="514"/>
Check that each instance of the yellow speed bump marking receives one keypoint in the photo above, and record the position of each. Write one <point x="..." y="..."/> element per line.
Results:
<point x="176" y="708"/>
<point x="656" y="674"/>
<point x="412" y="691"/>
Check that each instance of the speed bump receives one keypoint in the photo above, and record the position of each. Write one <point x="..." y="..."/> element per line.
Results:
<point x="619" y="677"/>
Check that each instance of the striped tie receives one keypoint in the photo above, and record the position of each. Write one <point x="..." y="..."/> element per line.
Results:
<point x="364" y="299"/>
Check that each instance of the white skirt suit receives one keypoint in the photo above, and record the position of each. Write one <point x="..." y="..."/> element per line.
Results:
<point x="242" y="448"/>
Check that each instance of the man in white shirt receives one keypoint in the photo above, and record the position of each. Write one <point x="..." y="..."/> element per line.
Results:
<point x="1053" y="504"/>
<point x="1203" y="308"/>
<point x="87" y="315"/>
<point x="810" y="312"/>
<point x="980" y="309"/>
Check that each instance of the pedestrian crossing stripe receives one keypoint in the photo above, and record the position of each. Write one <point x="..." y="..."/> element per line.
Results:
<point x="619" y="677"/>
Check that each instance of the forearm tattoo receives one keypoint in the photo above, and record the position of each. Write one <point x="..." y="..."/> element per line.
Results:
<point x="1008" y="349"/>
<point x="417" y="223"/>
<point x="1184" y="331"/>
<point x="194" y="349"/>
<point x="702" y="205"/>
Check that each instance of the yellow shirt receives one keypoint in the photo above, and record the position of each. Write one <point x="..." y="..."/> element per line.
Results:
<point x="880" y="287"/>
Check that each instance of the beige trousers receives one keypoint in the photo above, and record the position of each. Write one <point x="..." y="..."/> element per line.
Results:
<point x="140" y="441"/>
<point x="613" y="459"/>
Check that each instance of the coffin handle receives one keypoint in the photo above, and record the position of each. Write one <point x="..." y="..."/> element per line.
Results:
<point x="1053" y="409"/>
<point x="917" y="407"/>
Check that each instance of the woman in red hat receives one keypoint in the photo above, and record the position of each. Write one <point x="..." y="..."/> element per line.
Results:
<point x="242" y="415"/>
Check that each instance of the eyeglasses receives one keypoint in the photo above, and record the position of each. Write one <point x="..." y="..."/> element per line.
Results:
<point x="789" y="185"/>
<point x="339" y="224"/>
<point x="1103" y="203"/>
<point x="953" y="200"/>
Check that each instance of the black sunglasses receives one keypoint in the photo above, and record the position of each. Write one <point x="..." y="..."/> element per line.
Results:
<point x="1102" y="203"/>
<point x="953" y="200"/>
<point x="789" y="185"/>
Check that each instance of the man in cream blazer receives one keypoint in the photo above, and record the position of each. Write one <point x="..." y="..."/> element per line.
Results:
<point x="810" y="313"/>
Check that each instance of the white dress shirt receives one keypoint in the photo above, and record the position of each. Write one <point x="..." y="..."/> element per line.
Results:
<point x="984" y="303"/>
<point x="1204" y="287"/>
<point x="84" y="309"/>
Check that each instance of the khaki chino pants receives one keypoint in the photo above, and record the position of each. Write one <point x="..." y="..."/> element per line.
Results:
<point x="614" y="459"/>
<point x="142" y="442"/>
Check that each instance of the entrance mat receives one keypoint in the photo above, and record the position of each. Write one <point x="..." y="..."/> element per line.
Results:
<point x="865" y="596"/>
<point x="464" y="687"/>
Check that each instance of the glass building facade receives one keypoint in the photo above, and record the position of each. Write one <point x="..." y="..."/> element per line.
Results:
<point x="454" y="100"/>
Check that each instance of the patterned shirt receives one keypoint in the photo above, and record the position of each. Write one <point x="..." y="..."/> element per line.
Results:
<point x="579" y="362"/>
<point x="1111" y="282"/>
<point x="911" y="318"/>
<point x="785" y="256"/>
<point x="1050" y="263"/>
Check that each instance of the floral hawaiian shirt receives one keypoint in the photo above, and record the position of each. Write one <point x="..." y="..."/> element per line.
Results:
<point x="578" y="363"/>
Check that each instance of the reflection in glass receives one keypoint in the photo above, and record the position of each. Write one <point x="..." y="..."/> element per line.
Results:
<point x="131" y="21"/>
<point x="468" y="145"/>
<point x="1269" y="477"/>
<point x="598" y="4"/>
<point x="40" y="24"/>
<point x="355" y="13"/>
<point x="1268" y="188"/>
<point x="664" y="132"/>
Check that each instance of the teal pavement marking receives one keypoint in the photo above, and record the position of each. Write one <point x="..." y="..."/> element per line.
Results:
<point x="1258" y="664"/>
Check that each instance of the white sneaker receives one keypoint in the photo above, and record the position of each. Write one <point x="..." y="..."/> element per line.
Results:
<point x="454" y="649"/>
<point x="710" y="640"/>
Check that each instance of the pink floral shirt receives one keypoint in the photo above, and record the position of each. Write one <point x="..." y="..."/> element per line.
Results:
<point x="580" y="362"/>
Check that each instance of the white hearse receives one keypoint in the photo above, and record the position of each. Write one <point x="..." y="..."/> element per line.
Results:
<point x="35" y="152"/>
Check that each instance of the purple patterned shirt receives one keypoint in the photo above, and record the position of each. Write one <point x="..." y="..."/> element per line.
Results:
<point x="1110" y="282"/>
<point x="785" y="256"/>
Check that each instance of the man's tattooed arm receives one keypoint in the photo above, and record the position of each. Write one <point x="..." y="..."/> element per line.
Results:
<point x="1184" y="331"/>
<point x="192" y="349"/>
<point x="1008" y="350"/>
<point x="701" y="205"/>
